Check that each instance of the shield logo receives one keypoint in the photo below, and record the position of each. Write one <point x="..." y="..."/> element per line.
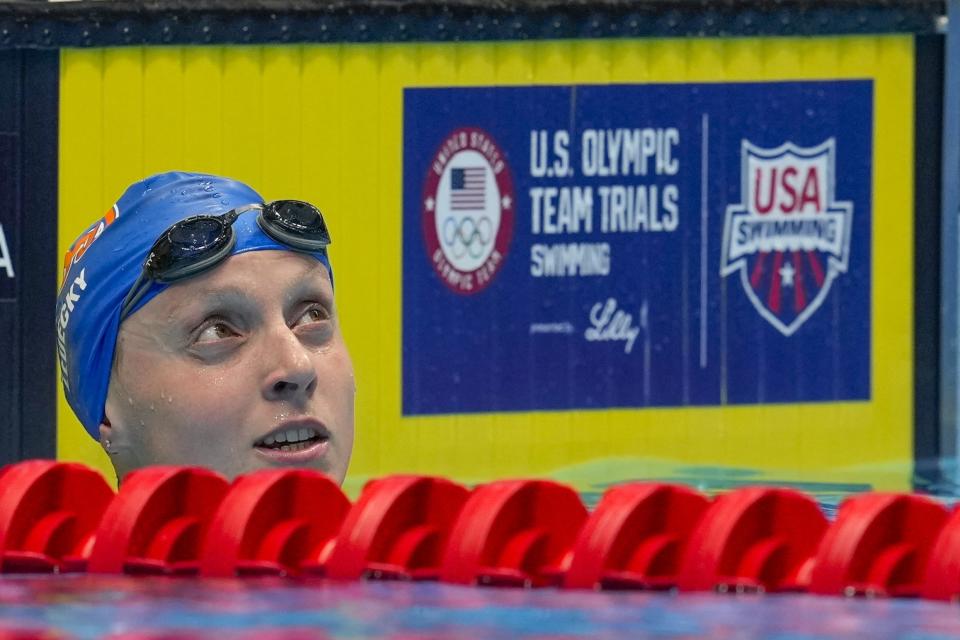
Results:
<point x="788" y="238"/>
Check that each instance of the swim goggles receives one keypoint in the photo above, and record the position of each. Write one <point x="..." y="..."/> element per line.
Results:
<point x="198" y="243"/>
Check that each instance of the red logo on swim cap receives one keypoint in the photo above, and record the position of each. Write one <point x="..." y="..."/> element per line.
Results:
<point x="81" y="244"/>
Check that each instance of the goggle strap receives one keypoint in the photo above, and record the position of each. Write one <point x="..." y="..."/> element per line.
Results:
<point x="235" y="213"/>
<point x="137" y="291"/>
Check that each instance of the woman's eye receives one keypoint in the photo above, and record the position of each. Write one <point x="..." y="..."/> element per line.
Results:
<point x="313" y="315"/>
<point x="216" y="331"/>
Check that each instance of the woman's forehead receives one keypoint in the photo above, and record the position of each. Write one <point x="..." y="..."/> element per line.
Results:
<point x="265" y="276"/>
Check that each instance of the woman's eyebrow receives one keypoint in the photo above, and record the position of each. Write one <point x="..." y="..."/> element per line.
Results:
<point x="309" y="285"/>
<point x="226" y="293"/>
<point x="206" y="297"/>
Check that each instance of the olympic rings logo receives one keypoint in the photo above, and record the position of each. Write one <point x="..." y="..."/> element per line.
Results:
<point x="470" y="236"/>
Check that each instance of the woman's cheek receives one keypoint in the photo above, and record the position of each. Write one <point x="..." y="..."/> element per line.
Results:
<point x="189" y="396"/>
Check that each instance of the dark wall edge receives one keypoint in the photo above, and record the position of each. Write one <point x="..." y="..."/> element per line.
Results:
<point x="38" y="280"/>
<point x="928" y="127"/>
<point x="43" y="25"/>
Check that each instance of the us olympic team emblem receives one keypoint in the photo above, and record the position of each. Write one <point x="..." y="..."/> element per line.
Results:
<point x="789" y="238"/>
<point x="468" y="204"/>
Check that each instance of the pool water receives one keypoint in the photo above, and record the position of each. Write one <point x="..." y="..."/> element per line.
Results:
<point x="83" y="606"/>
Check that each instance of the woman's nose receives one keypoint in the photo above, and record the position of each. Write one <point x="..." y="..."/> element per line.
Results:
<point x="291" y="371"/>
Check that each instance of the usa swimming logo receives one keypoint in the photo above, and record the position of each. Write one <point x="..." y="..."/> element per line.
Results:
<point x="789" y="238"/>
<point x="468" y="204"/>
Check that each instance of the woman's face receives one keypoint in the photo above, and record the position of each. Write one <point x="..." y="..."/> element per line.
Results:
<point x="240" y="368"/>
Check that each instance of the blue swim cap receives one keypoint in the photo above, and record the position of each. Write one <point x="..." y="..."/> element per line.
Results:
<point x="106" y="260"/>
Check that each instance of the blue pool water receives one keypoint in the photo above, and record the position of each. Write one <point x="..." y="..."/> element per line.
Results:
<point x="92" y="607"/>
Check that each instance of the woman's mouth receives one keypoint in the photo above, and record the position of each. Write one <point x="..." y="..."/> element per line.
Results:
<point x="293" y="444"/>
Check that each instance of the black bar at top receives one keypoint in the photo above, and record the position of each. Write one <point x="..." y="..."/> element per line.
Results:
<point x="95" y="23"/>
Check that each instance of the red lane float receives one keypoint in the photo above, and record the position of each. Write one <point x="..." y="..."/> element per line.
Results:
<point x="754" y="539"/>
<point x="398" y="529"/>
<point x="514" y="533"/>
<point x="942" y="578"/>
<point x="879" y="545"/>
<point x="49" y="512"/>
<point x="274" y="522"/>
<point x="635" y="538"/>
<point x="157" y="521"/>
<point x="188" y="521"/>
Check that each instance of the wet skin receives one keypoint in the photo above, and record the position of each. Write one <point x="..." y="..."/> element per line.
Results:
<point x="214" y="365"/>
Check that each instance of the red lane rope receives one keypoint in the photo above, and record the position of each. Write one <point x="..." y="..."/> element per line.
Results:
<point x="63" y="517"/>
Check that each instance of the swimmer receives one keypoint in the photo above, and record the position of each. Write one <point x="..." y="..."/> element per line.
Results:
<point x="196" y="326"/>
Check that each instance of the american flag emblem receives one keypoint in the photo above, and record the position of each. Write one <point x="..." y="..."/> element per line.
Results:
<point x="468" y="189"/>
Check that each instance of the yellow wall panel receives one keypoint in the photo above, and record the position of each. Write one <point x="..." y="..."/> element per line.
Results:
<point x="818" y="54"/>
<point x="475" y="63"/>
<point x="321" y="135"/>
<point x="741" y="60"/>
<point x="781" y="56"/>
<point x="204" y="97"/>
<point x="123" y="95"/>
<point x="164" y="110"/>
<point x="82" y="190"/>
<point x="515" y="64"/>
<point x="630" y="61"/>
<point x="591" y="62"/>
<point x="552" y="63"/>
<point x="358" y="255"/>
<point x="325" y="123"/>
<point x="241" y="149"/>
<point x="706" y="58"/>
<point x="281" y="97"/>
<point x="668" y="61"/>
<point x="398" y="63"/>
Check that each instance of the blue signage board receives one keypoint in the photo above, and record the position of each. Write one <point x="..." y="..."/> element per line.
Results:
<point x="597" y="246"/>
<point x="9" y="219"/>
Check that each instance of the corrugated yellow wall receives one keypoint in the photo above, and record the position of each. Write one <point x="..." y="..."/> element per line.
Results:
<point x="324" y="123"/>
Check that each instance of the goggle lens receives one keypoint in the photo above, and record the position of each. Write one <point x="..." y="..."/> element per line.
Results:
<point x="196" y="234"/>
<point x="188" y="247"/>
<point x="299" y="224"/>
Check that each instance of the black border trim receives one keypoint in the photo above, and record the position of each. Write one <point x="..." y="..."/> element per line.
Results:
<point x="97" y="23"/>
<point x="928" y="128"/>
<point x="39" y="144"/>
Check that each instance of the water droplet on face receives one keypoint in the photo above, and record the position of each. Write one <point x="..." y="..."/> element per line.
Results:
<point x="152" y="408"/>
<point x="130" y="401"/>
